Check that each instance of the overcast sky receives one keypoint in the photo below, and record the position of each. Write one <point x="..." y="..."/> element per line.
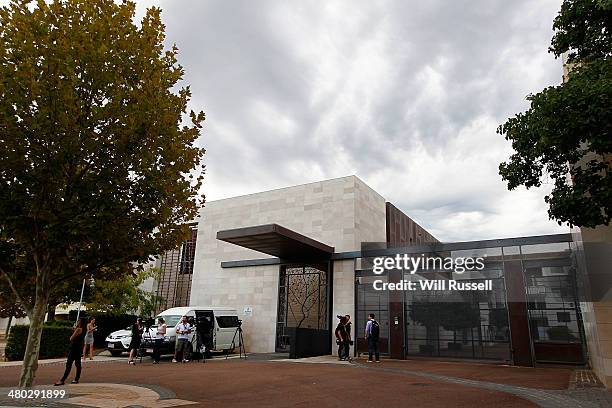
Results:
<point x="406" y="95"/>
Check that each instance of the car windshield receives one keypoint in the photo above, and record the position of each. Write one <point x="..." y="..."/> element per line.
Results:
<point x="171" y="321"/>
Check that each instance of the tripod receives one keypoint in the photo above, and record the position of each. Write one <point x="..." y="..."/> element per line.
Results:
<point x="201" y="348"/>
<point x="241" y="348"/>
<point x="147" y="340"/>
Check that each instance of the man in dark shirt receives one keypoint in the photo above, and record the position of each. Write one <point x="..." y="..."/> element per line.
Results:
<point x="348" y="341"/>
<point x="341" y="337"/>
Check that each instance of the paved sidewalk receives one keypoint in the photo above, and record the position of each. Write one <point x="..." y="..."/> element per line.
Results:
<point x="571" y="388"/>
<point x="266" y="380"/>
<point x="97" y="359"/>
<point x="544" y="399"/>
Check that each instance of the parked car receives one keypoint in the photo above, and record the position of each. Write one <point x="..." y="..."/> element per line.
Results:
<point x="118" y="341"/>
<point x="216" y="328"/>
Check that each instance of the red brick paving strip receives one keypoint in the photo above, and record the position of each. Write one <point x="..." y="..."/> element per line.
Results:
<point x="275" y="384"/>
<point x="541" y="378"/>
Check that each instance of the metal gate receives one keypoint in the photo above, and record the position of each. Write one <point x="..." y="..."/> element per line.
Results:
<point x="303" y="306"/>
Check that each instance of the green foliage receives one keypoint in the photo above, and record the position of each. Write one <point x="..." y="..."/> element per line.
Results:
<point x="108" y="323"/>
<point x="60" y="323"/>
<point x="54" y="343"/>
<point x="567" y="130"/>
<point x="583" y="29"/>
<point x="99" y="167"/>
<point x="122" y="296"/>
<point x="94" y="170"/>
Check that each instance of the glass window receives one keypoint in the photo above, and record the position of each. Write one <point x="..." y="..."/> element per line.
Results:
<point x="170" y="320"/>
<point x="227" y="321"/>
<point x="554" y="247"/>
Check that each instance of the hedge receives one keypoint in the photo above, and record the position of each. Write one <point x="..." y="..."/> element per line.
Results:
<point x="54" y="343"/>
<point x="106" y="324"/>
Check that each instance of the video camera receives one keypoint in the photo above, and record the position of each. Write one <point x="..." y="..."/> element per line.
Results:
<point x="148" y="322"/>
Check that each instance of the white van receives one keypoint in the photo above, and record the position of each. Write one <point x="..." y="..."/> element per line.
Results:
<point x="216" y="328"/>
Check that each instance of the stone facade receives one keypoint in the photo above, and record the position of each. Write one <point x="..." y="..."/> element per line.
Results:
<point x="340" y="212"/>
<point x="594" y="247"/>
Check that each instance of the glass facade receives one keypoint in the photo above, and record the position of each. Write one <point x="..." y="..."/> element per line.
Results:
<point x="532" y="295"/>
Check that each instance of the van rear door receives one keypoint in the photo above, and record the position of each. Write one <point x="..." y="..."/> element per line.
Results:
<point x="226" y="327"/>
<point x="205" y="335"/>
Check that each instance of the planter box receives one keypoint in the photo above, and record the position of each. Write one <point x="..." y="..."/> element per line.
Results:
<point x="308" y="342"/>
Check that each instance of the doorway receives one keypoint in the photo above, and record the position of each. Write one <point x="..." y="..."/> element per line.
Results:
<point x="303" y="309"/>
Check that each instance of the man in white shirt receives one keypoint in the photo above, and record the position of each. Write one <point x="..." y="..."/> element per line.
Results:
<point x="159" y="339"/>
<point x="183" y="328"/>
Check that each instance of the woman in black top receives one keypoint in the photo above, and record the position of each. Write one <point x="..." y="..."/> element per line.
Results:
<point x="75" y="352"/>
<point x="137" y="330"/>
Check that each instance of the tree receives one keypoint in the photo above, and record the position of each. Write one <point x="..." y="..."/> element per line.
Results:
<point x="568" y="128"/>
<point x="459" y="316"/>
<point x="98" y="171"/>
<point x="123" y="296"/>
<point x="14" y="261"/>
<point x="9" y="307"/>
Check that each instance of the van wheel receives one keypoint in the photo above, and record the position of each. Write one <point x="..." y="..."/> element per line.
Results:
<point x="228" y="351"/>
<point x="115" y="353"/>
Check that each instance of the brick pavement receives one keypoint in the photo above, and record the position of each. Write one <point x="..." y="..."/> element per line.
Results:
<point x="256" y="382"/>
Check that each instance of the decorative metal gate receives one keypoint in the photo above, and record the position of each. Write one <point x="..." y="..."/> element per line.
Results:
<point x="302" y="302"/>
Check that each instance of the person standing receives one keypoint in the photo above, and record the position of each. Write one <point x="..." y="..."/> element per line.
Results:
<point x="159" y="339"/>
<point x="341" y="337"/>
<point x="349" y="342"/>
<point x="74" y="354"/>
<point x="183" y="328"/>
<point x="137" y="330"/>
<point x="372" y="333"/>
<point x="89" y="338"/>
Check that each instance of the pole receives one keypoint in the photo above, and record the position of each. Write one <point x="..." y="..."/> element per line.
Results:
<point x="80" y="302"/>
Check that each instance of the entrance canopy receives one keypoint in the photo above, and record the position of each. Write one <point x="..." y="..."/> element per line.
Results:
<point x="276" y="240"/>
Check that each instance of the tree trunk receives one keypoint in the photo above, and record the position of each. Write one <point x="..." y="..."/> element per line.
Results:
<point x="30" y="358"/>
<point x="8" y="327"/>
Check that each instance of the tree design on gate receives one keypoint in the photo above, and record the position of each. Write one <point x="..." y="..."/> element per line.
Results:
<point x="306" y="302"/>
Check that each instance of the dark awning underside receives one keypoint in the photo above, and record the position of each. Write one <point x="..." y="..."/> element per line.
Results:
<point x="273" y="239"/>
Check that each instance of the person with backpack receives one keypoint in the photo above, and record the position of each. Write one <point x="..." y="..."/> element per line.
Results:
<point x="341" y="337"/>
<point x="372" y="334"/>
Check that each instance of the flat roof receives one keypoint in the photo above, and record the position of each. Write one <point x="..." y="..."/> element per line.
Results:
<point x="278" y="241"/>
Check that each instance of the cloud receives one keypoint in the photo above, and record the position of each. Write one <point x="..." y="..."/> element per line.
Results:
<point x="406" y="95"/>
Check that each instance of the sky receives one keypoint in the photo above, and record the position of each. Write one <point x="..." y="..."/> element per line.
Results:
<point x="406" y="95"/>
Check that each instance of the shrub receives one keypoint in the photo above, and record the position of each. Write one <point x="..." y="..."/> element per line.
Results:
<point x="60" y="323"/>
<point x="54" y="343"/>
<point x="108" y="324"/>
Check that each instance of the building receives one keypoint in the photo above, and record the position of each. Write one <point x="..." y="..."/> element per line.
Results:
<point x="290" y="260"/>
<point x="173" y="288"/>
<point x="594" y="251"/>
<point x="318" y="219"/>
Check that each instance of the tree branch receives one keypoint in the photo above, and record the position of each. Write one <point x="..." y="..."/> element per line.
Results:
<point x="28" y="307"/>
